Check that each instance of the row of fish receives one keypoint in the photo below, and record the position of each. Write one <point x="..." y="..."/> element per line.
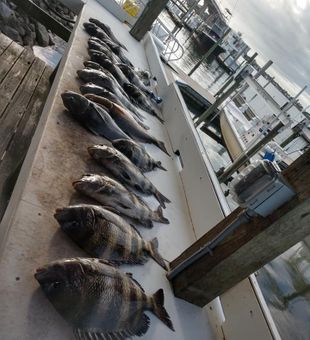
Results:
<point x="92" y="294"/>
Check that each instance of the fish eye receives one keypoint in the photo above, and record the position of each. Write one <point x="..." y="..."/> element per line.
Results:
<point x="56" y="284"/>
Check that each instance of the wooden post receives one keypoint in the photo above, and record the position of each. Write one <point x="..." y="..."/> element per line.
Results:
<point x="251" y="246"/>
<point x="37" y="13"/>
<point x="146" y="19"/>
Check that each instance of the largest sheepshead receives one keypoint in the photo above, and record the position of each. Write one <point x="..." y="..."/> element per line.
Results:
<point x="110" y="193"/>
<point x="92" y="116"/>
<point x="106" y="80"/>
<point x="101" y="233"/>
<point x="98" y="300"/>
<point x="125" y="171"/>
<point x="126" y="123"/>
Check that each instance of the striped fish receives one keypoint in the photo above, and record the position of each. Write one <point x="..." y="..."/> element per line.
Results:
<point x="98" y="300"/>
<point x="103" y="234"/>
<point x="125" y="171"/>
<point x="112" y="194"/>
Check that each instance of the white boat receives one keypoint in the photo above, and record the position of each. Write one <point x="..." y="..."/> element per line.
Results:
<point x="58" y="156"/>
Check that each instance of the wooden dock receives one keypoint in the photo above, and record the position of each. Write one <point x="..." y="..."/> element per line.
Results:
<point x="24" y="86"/>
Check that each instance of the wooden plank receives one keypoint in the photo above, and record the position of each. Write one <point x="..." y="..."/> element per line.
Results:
<point x="250" y="247"/>
<point x="146" y="19"/>
<point x="14" y="78"/>
<point x="4" y="42"/>
<point x="8" y="58"/>
<point x="40" y="15"/>
<point x="18" y="105"/>
<point x="15" y="154"/>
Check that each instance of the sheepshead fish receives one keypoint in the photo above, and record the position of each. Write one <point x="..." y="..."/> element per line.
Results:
<point x="124" y="121"/>
<point x="97" y="32"/>
<point x="108" y="31"/>
<point x="98" y="95"/>
<point x="98" y="300"/>
<point x="137" y="154"/>
<point x="139" y="98"/>
<point x="92" y="116"/>
<point x="125" y="171"/>
<point x="93" y="45"/>
<point x="132" y="76"/>
<point x="110" y="193"/>
<point x="107" y="80"/>
<point x="103" y="234"/>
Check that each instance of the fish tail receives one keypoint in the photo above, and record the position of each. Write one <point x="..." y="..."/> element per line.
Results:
<point x="155" y="254"/>
<point x="160" y="217"/>
<point x="162" y="146"/>
<point x="161" y="198"/>
<point x="159" y="310"/>
<point x="159" y="166"/>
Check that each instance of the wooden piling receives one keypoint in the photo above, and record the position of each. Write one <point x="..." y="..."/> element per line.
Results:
<point x="251" y="246"/>
<point x="146" y="19"/>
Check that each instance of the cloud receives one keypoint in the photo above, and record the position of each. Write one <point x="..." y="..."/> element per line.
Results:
<point x="278" y="30"/>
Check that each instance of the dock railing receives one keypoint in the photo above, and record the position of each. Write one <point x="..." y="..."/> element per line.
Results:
<point x="173" y="50"/>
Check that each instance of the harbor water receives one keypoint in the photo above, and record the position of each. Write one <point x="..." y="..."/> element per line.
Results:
<point x="285" y="282"/>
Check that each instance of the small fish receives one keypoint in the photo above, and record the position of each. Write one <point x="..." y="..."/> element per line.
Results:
<point x="112" y="194"/>
<point x="104" y="234"/>
<point x="124" y="121"/>
<point x="125" y="171"/>
<point x="108" y="31"/>
<point x="132" y="76"/>
<point x="108" y="81"/>
<point x="137" y="154"/>
<point x="107" y="64"/>
<point x="122" y="117"/>
<point x="97" y="32"/>
<point x="93" y="45"/>
<point x="98" y="300"/>
<point x="92" y="116"/>
<point x="139" y="98"/>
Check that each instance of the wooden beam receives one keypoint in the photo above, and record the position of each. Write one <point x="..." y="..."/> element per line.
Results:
<point x="146" y="19"/>
<point x="40" y="15"/>
<point x="250" y="247"/>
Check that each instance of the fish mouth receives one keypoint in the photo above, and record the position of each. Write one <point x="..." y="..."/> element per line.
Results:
<point x="41" y="275"/>
<point x="59" y="213"/>
<point x="76" y="183"/>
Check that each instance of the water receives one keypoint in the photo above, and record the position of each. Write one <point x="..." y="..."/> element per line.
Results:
<point x="285" y="282"/>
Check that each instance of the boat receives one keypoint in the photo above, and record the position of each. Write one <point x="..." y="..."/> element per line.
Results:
<point x="197" y="204"/>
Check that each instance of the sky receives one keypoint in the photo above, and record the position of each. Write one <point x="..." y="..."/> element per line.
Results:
<point x="278" y="30"/>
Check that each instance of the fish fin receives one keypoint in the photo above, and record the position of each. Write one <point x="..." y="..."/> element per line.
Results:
<point x="160" y="216"/>
<point x="108" y="263"/>
<point x="113" y="210"/>
<point x="159" y="166"/>
<point x="159" y="118"/>
<point x="135" y="229"/>
<point x="135" y="281"/>
<point x="142" y="325"/>
<point x="144" y="126"/>
<point x="89" y="334"/>
<point x="162" y="146"/>
<point x="155" y="254"/>
<point x="125" y="175"/>
<point x="161" y="198"/>
<point x="159" y="309"/>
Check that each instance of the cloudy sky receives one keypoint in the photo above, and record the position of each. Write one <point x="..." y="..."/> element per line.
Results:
<point x="278" y="30"/>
